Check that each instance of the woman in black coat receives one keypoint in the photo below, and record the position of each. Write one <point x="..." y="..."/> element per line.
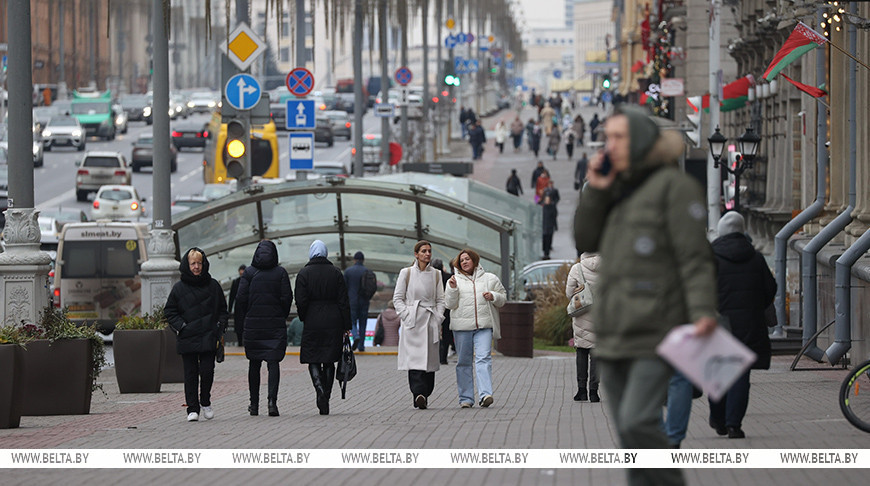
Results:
<point x="322" y="303"/>
<point x="264" y="302"/>
<point x="197" y="311"/>
<point x="746" y="289"/>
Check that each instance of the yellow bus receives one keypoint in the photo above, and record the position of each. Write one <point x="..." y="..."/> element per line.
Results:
<point x="264" y="152"/>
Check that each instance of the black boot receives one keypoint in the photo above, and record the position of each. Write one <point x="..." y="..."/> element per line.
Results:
<point x="314" y="371"/>
<point x="581" y="395"/>
<point x="273" y="408"/>
<point x="327" y="378"/>
<point x="253" y="408"/>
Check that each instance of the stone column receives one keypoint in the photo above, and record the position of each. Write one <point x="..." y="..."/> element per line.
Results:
<point x="23" y="269"/>
<point x="160" y="272"/>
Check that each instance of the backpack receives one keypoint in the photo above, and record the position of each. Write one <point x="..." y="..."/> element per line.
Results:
<point x="368" y="285"/>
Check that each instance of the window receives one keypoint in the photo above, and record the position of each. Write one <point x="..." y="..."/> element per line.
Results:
<point x="285" y="54"/>
<point x="101" y="162"/>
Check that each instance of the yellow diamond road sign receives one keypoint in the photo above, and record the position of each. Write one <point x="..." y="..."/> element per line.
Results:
<point x="243" y="46"/>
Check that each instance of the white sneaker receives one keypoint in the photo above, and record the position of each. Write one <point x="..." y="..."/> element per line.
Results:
<point x="192" y="417"/>
<point x="207" y="413"/>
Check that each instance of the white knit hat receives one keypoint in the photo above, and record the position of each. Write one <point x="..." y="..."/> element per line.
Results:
<point x="731" y="222"/>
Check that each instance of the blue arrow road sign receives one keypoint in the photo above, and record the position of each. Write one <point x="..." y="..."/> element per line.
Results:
<point x="242" y="91"/>
<point x="557" y="74"/>
<point x="450" y="41"/>
<point x="301" y="151"/>
<point x="300" y="114"/>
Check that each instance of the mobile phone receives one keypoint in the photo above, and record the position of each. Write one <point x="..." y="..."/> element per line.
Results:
<point x="606" y="165"/>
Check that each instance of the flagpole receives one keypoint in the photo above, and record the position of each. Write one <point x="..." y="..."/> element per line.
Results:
<point x="848" y="54"/>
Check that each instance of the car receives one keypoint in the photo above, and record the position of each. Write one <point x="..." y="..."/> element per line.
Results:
<point x="183" y="203"/>
<point x="279" y="115"/>
<point x="120" y="119"/>
<point x="52" y="221"/>
<point x="326" y="168"/>
<point x="178" y="106"/>
<point x="118" y="203"/>
<point x="42" y="115"/>
<point x="323" y="131"/>
<point x="203" y="102"/>
<point x="372" y="155"/>
<point x="537" y="275"/>
<point x="189" y="134"/>
<point x="143" y="153"/>
<point x="63" y="130"/>
<point x="137" y="107"/>
<point x="97" y="169"/>
<point x="340" y="123"/>
<point x="217" y="191"/>
<point x="37" y="144"/>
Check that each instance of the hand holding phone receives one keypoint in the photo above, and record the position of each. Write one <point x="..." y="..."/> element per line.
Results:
<point x="606" y="165"/>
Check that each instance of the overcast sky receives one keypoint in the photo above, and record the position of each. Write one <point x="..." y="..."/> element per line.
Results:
<point x="544" y="13"/>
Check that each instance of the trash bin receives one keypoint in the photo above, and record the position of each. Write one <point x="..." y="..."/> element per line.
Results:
<point x="517" y="329"/>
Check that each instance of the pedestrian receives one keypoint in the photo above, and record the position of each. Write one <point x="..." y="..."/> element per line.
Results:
<point x="549" y="222"/>
<point x="580" y="172"/>
<point x="474" y="297"/>
<point x="265" y="299"/>
<point x="446" y="335"/>
<point x="463" y="121"/>
<point x="647" y="220"/>
<point x="513" y="184"/>
<point x="322" y="303"/>
<point x="517" y="133"/>
<point x="238" y="319"/>
<point x="535" y="138"/>
<point x="537" y="173"/>
<point x="197" y="311"/>
<point x="477" y="137"/>
<point x="584" y="272"/>
<point x="547" y="116"/>
<point x="541" y="185"/>
<point x="746" y="288"/>
<point x="553" y="141"/>
<point x="570" y="137"/>
<point x="419" y="300"/>
<point x="359" y="293"/>
<point x="501" y="134"/>
<point x="388" y="323"/>
<point x="593" y="127"/>
<point x="550" y="190"/>
<point x="579" y="127"/>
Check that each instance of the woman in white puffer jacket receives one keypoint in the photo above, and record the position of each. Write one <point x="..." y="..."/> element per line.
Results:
<point x="473" y="297"/>
<point x="584" y="337"/>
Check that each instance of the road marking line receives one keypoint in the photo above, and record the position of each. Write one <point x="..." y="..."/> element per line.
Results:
<point x="55" y="201"/>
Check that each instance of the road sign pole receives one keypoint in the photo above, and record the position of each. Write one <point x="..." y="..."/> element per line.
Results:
<point x="385" y="80"/>
<point x="405" y="63"/>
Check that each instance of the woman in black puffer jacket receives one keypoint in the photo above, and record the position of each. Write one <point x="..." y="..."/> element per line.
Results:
<point x="322" y="302"/>
<point x="197" y="311"/>
<point x="264" y="302"/>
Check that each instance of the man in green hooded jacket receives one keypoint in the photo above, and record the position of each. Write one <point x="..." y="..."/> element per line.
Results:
<point x="647" y="219"/>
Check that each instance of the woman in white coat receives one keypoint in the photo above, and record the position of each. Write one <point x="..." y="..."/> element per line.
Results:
<point x="586" y="270"/>
<point x="419" y="300"/>
<point x="473" y="297"/>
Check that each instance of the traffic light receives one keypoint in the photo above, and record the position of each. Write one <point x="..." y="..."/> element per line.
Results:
<point x="451" y="80"/>
<point x="605" y="83"/>
<point x="237" y="148"/>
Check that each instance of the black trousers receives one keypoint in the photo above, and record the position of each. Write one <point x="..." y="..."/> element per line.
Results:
<point x="446" y="338"/>
<point x="254" y="379"/>
<point x="586" y="369"/>
<point x="547" y="244"/>
<point x="421" y="382"/>
<point x="198" y="379"/>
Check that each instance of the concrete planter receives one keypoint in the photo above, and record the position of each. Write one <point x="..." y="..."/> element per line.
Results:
<point x="11" y="379"/>
<point x="138" y="359"/>
<point x="173" y="367"/>
<point x="57" y="377"/>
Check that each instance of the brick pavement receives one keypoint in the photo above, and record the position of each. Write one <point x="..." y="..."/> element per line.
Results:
<point x="533" y="409"/>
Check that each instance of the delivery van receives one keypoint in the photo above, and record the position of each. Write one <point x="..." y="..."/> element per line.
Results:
<point x="97" y="272"/>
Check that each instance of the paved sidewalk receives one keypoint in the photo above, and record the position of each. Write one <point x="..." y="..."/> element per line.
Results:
<point x="533" y="409"/>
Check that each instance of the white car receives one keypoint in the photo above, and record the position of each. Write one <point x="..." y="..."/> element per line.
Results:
<point x="118" y="203"/>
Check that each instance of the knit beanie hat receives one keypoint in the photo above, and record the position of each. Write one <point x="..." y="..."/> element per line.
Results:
<point x="731" y="222"/>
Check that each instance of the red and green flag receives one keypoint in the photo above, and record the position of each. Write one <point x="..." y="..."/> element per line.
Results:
<point x="735" y="95"/>
<point x="802" y="40"/>
<point x="814" y="92"/>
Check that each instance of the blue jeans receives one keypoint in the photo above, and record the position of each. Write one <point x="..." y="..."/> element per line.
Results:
<point x="473" y="346"/>
<point x="679" y="408"/>
<point x="359" y="316"/>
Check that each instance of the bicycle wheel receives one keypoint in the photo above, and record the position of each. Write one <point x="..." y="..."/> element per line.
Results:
<point x="855" y="401"/>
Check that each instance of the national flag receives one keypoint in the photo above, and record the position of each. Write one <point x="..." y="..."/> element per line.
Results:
<point x="736" y="94"/>
<point x="815" y="92"/>
<point x="802" y="40"/>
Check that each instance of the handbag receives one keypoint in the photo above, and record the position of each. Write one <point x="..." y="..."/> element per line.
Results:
<point x="347" y="366"/>
<point x="220" y="352"/>
<point x="581" y="299"/>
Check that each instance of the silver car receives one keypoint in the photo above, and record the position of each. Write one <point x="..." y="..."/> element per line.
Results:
<point x="340" y="123"/>
<point x="63" y="130"/>
<point x="101" y="168"/>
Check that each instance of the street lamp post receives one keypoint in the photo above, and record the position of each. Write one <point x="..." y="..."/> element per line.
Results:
<point x="748" y="145"/>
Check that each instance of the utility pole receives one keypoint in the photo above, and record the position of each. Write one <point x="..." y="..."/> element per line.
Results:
<point x="301" y="54"/>
<point x="424" y="123"/>
<point x="404" y="53"/>
<point x="160" y="82"/>
<point x="358" y="101"/>
<point x="713" y="174"/>
<point x="61" y="74"/>
<point x="385" y="81"/>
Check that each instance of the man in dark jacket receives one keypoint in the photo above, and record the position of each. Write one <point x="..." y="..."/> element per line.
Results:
<point x="746" y="289"/>
<point x="197" y="311"/>
<point x="593" y="127"/>
<point x="550" y="224"/>
<point x="476" y="137"/>
<point x="237" y="318"/>
<point x="264" y="302"/>
<point x="537" y="173"/>
<point x="359" y="304"/>
<point x="647" y="219"/>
